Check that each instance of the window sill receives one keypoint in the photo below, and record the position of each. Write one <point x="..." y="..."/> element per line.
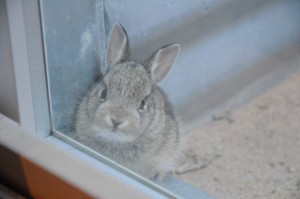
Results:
<point x="82" y="171"/>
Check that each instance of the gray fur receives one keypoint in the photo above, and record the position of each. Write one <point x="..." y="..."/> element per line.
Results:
<point x="118" y="49"/>
<point x="160" y="63"/>
<point x="146" y="140"/>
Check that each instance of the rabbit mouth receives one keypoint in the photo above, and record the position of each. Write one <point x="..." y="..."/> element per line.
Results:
<point x="116" y="130"/>
<point x="112" y="134"/>
<point x="115" y="136"/>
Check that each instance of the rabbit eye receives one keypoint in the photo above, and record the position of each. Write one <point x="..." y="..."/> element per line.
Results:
<point x="142" y="105"/>
<point x="103" y="94"/>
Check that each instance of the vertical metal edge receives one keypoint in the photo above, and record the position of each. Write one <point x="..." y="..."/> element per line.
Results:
<point x="46" y="62"/>
<point x="101" y="28"/>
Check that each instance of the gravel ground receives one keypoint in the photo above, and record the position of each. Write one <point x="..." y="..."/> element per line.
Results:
<point x="253" y="152"/>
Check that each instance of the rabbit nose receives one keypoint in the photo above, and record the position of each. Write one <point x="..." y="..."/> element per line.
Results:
<point x="115" y="122"/>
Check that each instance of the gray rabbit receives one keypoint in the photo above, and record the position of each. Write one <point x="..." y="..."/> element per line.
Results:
<point x="126" y="117"/>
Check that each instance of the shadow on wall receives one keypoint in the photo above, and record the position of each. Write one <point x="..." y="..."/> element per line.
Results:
<point x="198" y="24"/>
<point x="253" y="80"/>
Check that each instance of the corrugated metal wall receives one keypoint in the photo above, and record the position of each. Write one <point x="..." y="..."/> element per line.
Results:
<point x="226" y="45"/>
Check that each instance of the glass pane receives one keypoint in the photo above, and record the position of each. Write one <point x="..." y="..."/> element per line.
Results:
<point x="227" y="47"/>
<point x="74" y="43"/>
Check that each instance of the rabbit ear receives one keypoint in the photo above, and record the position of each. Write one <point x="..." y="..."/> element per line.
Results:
<point x="160" y="63"/>
<point x="118" y="49"/>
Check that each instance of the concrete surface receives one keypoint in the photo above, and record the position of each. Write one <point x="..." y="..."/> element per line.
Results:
<point x="252" y="152"/>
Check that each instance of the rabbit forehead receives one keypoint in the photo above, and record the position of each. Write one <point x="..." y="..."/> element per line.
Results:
<point x="128" y="81"/>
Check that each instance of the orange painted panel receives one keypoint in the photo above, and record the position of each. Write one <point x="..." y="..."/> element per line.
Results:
<point x="43" y="184"/>
<point x="31" y="180"/>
